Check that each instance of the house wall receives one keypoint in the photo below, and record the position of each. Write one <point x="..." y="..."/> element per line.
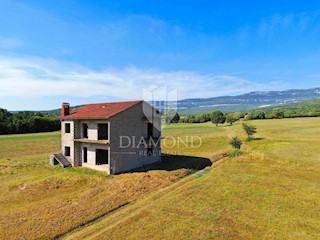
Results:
<point x="67" y="140"/>
<point x="76" y="132"/>
<point x="131" y="124"/>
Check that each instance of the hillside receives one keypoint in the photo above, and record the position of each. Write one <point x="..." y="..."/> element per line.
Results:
<point x="302" y="109"/>
<point x="247" y="101"/>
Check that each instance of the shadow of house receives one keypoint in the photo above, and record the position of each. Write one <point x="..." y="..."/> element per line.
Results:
<point x="175" y="162"/>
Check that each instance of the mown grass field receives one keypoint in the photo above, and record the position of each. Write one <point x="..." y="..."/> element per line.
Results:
<point x="272" y="191"/>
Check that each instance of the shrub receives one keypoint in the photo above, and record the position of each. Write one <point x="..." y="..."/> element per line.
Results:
<point x="235" y="152"/>
<point x="236" y="142"/>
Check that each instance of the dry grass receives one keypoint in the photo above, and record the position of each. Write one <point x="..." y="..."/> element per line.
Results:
<point x="41" y="201"/>
<point x="28" y="144"/>
<point x="270" y="192"/>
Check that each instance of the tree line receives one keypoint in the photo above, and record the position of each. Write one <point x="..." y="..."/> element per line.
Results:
<point x="302" y="109"/>
<point x="216" y="117"/>
<point x="26" y="122"/>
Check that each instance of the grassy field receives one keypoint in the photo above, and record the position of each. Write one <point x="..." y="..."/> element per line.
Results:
<point x="272" y="191"/>
<point x="41" y="201"/>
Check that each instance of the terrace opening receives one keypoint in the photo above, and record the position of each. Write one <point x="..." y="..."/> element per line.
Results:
<point x="103" y="132"/>
<point x="85" y="130"/>
<point x="102" y="157"/>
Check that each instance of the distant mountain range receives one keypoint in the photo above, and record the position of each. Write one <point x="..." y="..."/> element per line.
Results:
<point x="247" y="101"/>
<point x="242" y="102"/>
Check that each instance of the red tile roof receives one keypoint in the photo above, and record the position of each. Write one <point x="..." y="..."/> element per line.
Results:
<point x="100" y="110"/>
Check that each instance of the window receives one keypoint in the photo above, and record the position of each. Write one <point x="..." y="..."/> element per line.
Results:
<point x="103" y="132"/>
<point x="67" y="128"/>
<point x="150" y="130"/>
<point x="85" y="154"/>
<point x="102" y="156"/>
<point x="150" y="136"/>
<point x="67" y="151"/>
<point x="85" y="130"/>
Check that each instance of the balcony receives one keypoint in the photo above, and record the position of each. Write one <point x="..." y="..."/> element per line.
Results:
<point x="85" y="140"/>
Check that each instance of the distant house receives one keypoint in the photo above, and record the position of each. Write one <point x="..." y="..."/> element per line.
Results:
<point x="113" y="137"/>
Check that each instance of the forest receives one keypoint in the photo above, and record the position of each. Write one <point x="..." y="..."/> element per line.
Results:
<point x="26" y="122"/>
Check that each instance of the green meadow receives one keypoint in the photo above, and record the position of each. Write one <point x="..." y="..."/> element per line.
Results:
<point x="271" y="191"/>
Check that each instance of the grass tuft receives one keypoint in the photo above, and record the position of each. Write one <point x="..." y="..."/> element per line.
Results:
<point x="235" y="153"/>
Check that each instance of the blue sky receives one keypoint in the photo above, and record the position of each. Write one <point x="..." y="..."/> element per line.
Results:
<point x="96" y="51"/>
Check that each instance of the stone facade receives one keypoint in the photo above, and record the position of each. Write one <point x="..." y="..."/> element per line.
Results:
<point x="129" y="144"/>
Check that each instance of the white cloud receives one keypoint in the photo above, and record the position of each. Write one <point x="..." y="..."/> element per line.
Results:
<point x="32" y="77"/>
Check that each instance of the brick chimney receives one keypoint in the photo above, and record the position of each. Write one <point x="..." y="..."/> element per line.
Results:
<point x="65" y="109"/>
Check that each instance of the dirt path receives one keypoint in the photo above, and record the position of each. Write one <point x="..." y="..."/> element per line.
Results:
<point x="99" y="227"/>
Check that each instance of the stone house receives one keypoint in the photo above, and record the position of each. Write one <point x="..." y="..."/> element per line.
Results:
<point x="113" y="137"/>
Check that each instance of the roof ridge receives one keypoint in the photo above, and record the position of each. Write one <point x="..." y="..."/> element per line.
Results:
<point x="130" y="101"/>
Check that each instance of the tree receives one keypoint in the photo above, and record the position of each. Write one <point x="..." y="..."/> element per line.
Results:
<point x="217" y="117"/>
<point x="183" y="120"/>
<point x="191" y="119"/>
<point x="231" y="118"/>
<point x="172" y="116"/>
<point x="239" y="115"/>
<point x="236" y="142"/>
<point x="205" y="117"/>
<point x="5" y="117"/>
<point x="277" y="113"/>
<point x="249" y="129"/>
<point x="256" y="114"/>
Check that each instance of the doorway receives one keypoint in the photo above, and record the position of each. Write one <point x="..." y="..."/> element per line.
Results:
<point x="85" y="154"/>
